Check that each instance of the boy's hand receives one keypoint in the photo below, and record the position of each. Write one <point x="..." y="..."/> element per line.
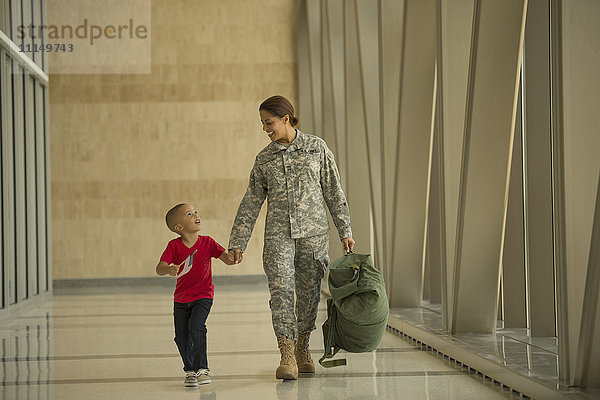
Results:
<point x="173" y="269"/>
<point x="167" y="269"/>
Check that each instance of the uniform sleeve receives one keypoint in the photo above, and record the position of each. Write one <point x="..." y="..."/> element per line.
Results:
<point x="215" y="249"/>
<point x="334" y="195"/>
<point x="248" y="210"/>
<point x="169" y="254"/>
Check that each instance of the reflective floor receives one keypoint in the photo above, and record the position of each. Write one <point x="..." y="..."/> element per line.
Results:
<point x="533" y="357"/>
<point x="513" y="349"/>
<point x="120" y="346"/>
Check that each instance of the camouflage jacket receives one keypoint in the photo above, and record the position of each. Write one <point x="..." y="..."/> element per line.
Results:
<point x="295" y="181"/>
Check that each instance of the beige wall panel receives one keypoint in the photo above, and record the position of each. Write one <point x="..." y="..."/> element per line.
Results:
<point x="125" y="148"/>
<point x="392" y="31"/>
<point x="457" y="18"/>
<point x="329" y="133"/>
<point x="581" y="85"/>
<point x="367" y="18"/>
<point x="513" y="260"/>
<point x="304" y="106"/>
<point x="314" y="29"/>
<point x="359" y="198"/>
<point x="494" y="68"/>
<point x="434" y="265"/>
<point x="334" y="15"/>
<point x="588" y="355"/>
<point x="417" y="100"/>
<point x="540" y="251"/>
<point x="334" y="113"/>
<point x="331" y="109"/>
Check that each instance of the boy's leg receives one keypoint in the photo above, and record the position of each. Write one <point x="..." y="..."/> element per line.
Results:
<point x="311" y="261"/>
<point x="278" y="263"/>
<point x="200" y="310"/>
<point x="181" y="317"/>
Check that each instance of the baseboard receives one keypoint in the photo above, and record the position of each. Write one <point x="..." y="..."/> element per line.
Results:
<point x="151" y="282"/>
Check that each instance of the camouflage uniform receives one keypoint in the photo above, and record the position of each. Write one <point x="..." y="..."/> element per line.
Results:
<point x="295" y="180"/>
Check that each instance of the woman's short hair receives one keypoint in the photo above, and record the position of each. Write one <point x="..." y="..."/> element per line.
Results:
<point x="279" y="106"/>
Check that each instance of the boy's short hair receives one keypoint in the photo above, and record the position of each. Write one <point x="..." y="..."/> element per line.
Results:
<point x="171" y="217"/>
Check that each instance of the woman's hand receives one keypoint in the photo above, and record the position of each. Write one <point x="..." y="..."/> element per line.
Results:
<point x="348" y="244"/>
<point x="237" y="255"/>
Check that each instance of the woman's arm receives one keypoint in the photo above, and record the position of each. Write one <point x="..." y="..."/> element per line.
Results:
<point x="334" y="195"/>
<point x="248" y="211"/>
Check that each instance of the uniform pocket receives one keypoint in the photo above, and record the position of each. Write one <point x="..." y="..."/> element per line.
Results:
<point x="321" y="258"/>
<point x="308" y="165"/>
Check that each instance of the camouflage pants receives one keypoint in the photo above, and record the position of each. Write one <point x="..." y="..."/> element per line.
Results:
<point x="295" y="266"/>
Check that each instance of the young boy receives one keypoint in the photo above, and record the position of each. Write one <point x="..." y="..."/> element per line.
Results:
<point x="189" y="258"/>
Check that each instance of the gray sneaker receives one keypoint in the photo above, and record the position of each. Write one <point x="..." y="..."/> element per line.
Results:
<point x="190" y="379"/>
<point x="202" y="376"/>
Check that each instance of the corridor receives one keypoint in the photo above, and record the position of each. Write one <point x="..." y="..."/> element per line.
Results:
<point x="101" y="344"/>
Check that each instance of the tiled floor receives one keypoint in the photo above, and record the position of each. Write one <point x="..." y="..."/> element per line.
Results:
<point x="120" y="346"/>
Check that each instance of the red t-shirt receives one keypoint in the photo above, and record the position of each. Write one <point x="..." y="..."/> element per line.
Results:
<point x="194" y="279"/>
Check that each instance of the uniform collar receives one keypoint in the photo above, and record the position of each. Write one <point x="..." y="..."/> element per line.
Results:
<point x="297" y="143"/>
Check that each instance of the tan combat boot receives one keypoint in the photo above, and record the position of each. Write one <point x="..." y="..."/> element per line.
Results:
<point x="287" y="367"/>
<point x="303" y="358"/>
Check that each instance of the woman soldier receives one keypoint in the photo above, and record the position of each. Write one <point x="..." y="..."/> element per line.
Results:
<point x="296" y="172"/>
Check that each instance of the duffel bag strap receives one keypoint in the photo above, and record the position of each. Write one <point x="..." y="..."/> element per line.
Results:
<point x="331" y="348"/>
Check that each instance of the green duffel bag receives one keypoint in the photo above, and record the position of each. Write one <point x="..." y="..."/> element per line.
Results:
<point x="358" y="311"/>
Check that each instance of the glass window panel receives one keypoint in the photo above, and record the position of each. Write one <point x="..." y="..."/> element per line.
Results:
<point x="4" y="16"/>
<point x="20" y="273"/>
<point x="27" y="21"/>
<point x="8" y="185"/>
<point x="36" y="18"/>
<point x="30" y="185"/>
<point x="42" y="20"/>
<point x="3" y="264"/>
<point x="16" y="16"/>
<point x="41" y="188"/>
<point x="46" y="164"/>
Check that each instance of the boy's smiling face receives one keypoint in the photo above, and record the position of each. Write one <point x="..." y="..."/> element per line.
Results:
<point x="188" y="220"/>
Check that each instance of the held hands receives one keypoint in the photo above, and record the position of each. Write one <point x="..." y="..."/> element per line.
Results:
<point x="237" y="256"/>
<point x="227" y="258"/>
<point x="348" y="244"/>
<point x="230" y="259"/>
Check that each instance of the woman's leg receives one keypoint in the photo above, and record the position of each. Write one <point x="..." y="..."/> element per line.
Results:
<point x="181" y="318"/>
<point x="311" y="261"/>
<point x="199" y="313"/>
<point x="278" y="263"/>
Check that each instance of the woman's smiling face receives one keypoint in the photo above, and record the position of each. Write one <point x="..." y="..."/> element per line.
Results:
<point x="273" y="125"/>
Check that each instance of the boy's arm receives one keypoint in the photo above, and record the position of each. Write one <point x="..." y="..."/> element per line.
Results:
<point x="165" y="269"/>
<point x="227" y="258"/>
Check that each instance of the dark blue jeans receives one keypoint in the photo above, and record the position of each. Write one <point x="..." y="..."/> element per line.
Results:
<point x="190" y="332"/>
